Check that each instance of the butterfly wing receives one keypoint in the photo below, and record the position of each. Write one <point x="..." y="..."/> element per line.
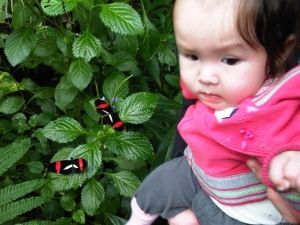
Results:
<point x="68" y="166"/>
<point x="109" y="115"/>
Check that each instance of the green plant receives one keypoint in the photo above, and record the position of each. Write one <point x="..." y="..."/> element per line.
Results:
<point x="9" y="205"/>
<point x="57" y="57"/>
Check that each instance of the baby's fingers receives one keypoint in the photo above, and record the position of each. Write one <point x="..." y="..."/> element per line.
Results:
<point x="291" y="173"/>
<point x="278" y="172"/>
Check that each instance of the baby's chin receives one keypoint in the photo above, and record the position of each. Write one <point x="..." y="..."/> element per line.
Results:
<point x="219" y="106"/>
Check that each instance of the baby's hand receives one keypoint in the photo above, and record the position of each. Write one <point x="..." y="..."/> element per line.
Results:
<point x="285" y="171"/>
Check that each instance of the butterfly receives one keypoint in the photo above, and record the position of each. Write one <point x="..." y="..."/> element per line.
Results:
<point x="68" y="166"/>
<point x="109" y="114"/>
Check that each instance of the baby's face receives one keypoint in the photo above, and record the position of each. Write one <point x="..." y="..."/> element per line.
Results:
<point x="216" y="64"/>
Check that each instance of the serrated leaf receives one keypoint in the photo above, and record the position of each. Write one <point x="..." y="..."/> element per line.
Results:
<point x="13" y="152"/>
<point x="7" y="84"/>
<point x="60" y="221"/>
<point x="79" y="216"/>
<point x="126" y="43"/>
<point x="130" y="145"/>
<point x="167" y="56"/>
<point x="19" y="44"/>
<point x="11" y="104"/>
<point x="64" y="93"/>
<point x="19" y="122"/>
<point x="61" y="182"/>
<point x="63" y="130"/>
<point x="92" y="195"/>
<point x="125" y="164"/>
<point x="89" y="108"/>
<point x="115" y="220"/>
<point x="58" y="7"/>
<point x="115" y="86"/>
<point x="108" y="58"/>
<point x="10" y="211"/>
<point x="125" y="182"/>
<point x="137" y="108"/>
<point x="67" y="202"/>
<point x="151" y="40"/>
<point x="80" y="73"/>
<point x="21" y="14"/>
<point x="15" y="191"/>
<point x="153" y="67"/>
<point x="121" y="18"/>
<point x="125" y="62"/>
<point x="62" y="154"/>
<point x="86" y="46"/>
<point x="45" y="48"/>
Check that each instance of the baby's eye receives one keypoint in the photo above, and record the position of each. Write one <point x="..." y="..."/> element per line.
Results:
<point x="192" y="57"/>
<point x="231" y="61"/>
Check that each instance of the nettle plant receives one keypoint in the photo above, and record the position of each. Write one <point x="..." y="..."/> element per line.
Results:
<point x="57" y="58"/>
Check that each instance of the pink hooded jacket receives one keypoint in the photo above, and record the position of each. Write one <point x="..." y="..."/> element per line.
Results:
<point x="259" y="127"/>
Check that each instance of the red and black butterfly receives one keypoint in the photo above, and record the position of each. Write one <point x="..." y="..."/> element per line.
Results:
<point x="109" y="115"/>
<point x="68" y="166"/>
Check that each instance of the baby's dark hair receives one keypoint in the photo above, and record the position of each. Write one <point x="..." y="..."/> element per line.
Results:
<point x="271" y="23"/>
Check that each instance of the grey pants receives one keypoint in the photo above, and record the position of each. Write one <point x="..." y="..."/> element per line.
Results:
<point x="172" y="188"/>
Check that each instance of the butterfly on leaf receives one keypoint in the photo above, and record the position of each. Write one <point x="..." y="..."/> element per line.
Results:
<point x="109" y="115"/>
<point x="68" y="166"/>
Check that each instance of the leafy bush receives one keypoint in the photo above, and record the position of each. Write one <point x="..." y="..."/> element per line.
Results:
<point x="57" y="58"/>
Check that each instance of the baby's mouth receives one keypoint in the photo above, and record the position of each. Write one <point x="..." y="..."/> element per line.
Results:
<point x="208" y="97"/>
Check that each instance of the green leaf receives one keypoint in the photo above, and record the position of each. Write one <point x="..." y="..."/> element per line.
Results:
<point x="125" y="164"/>
<point x="127" y="43"/>
<point x="80" y="73"/>
<point x="86" y="46"/>
<point x="92" y="195"/>
<point x="40" y="119"/>
<point x="7" y="84"/>
<point x="10" y="154"/>
<point x="115" y="220"/>
<point x="67" y="202"/>
<point x="121" y="18"/>
<point x="125" y="62"/>
<point x="64" y="93"/>
<point x="137" y="108"/>
<point x="19" y="44"/>
<point x="21" y="15"/>
<point x="151" y="40"/>
<point x="63" y="130"/>
<point x="58" y="7"/>
<point x="46" y="47"/>
<point x="79" y="216"/>
<point x="115" y="86"/>
<point x="10" y="211"/>
<point x="12" y="192"/>
<point x="63" y="154"/>
<point x="19" y="122"/>
<point x="172" y="80"/>
<point x="125" y="182"/>
<point x="153" y="67"/>
<point x="130" y="145"/>
<point x="5" y="126"/>
<point x="89" y="109"/>
<point x="35" y="167"/>
<point x="61" y="182"/>
<point x="11" y="104"/>
<point x="167" y="56"/>
<point x="60" y="221"/>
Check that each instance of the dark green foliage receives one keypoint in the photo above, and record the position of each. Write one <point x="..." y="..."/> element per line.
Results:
<point x="56" y="58"/>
